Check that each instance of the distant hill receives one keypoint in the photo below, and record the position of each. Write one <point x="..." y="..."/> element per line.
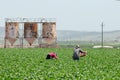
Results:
<point x="89" y="36"/>
<point x="2" y="32"/>
<point x="80" y="35"/>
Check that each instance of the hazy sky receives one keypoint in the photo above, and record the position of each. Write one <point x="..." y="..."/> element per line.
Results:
<point x="82" y="15"/>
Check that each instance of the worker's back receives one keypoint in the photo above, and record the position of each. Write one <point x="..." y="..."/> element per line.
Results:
<point x="76" y="54"/>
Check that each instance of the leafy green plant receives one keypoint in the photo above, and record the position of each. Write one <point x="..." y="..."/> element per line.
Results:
<point x="30" y="64"/>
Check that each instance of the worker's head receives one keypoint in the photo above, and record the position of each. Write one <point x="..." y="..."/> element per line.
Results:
<point x="77" y="46"/>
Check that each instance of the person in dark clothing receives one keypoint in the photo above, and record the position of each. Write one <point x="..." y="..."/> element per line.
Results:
<point x="52" y="55"/>
<point x="77" y="53"/>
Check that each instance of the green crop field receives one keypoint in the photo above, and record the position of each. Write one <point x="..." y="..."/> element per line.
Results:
<point x="30" y="64"/>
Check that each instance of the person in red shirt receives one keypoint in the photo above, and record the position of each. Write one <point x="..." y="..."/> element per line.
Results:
<point x="52" y="55"/>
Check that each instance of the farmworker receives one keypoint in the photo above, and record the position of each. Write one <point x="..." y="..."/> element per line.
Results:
<point x="77" y="53"/>
<point x="52" y="55"/>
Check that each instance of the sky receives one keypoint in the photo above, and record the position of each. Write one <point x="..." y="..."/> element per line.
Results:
<point x="80" y="15"/>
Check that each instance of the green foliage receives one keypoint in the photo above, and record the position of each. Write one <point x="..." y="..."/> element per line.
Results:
<point x="30" y="64"/>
